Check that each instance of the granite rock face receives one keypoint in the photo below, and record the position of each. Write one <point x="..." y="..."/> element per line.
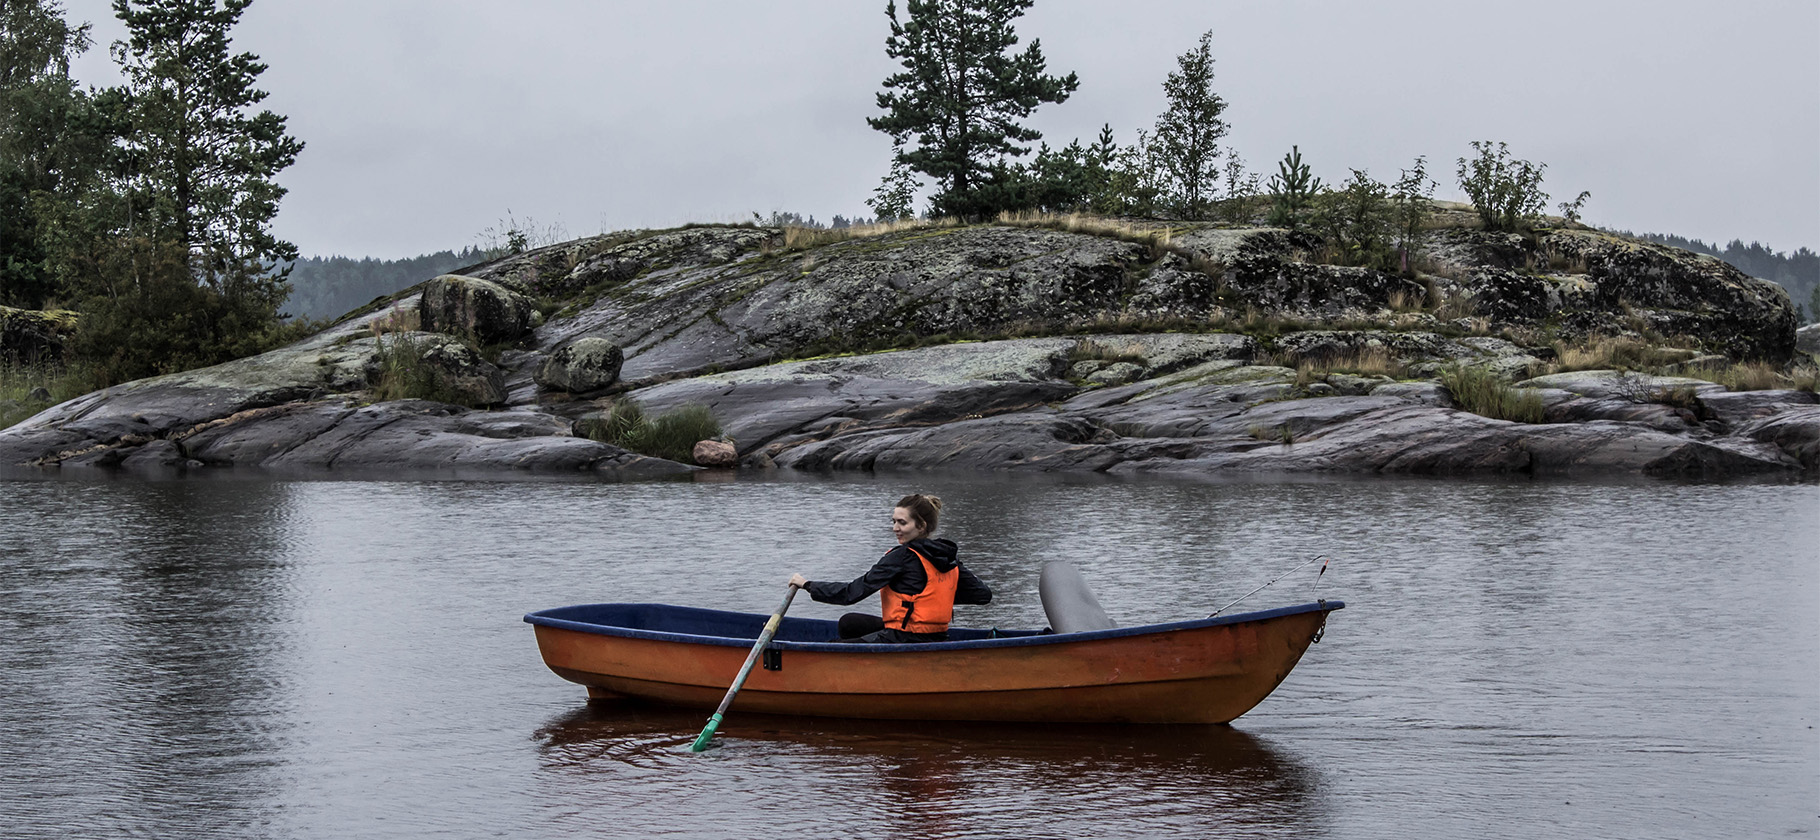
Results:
<point x="298" y="408"/>
<point x="1337" y="382"/>
<point x="1589" y="283"/>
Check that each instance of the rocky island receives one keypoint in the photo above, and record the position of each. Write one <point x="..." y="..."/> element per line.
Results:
<point x="1047" y="343"/>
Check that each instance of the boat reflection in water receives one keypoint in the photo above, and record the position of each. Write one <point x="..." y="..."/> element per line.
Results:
<point x="829" y="776"/>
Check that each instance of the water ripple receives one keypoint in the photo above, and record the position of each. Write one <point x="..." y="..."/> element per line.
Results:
<point x="251" y="658"/>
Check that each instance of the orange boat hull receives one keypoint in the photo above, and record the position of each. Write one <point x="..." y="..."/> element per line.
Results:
<point x="1173" y="674"/>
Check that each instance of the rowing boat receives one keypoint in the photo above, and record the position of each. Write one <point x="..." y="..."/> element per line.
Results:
<point x="1208" y="670"/>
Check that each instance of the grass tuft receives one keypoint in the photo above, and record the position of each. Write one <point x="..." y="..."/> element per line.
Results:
<point x="1758" y="376"/>
<point x="1284" y="434"/>
<point x="1368" y="361"/>
<point x="1619" y="353"/>
<point x="671" y="436"/>
<point x="1481" y="392"/>
<point x="803" y="238"/>
<point x="26" y="389"/>
<point x="1101" y="351"/>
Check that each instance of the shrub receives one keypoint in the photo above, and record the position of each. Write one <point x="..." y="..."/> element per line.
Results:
<point x="1481" y="392"/>
<point x="1638" y="388"/>
<point x="671" y="436"/>
<point x="1412" y="198"/>
<point x="1570" y="210"/>
<point x="1506" y="192"/>
<point x="1357" y="223"/>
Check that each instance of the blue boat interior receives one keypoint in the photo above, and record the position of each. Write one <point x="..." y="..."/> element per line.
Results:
<point x="720" y="627"/>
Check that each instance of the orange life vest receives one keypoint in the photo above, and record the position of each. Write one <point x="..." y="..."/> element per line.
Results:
<point x="928" y="611"/>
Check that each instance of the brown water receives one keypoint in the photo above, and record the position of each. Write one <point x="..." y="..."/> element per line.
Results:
<point x="251" y="658"/>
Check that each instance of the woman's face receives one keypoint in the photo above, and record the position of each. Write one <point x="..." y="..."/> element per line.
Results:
<point x="903" y="527"/>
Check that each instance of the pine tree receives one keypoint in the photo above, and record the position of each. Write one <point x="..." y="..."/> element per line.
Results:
<point x="1292" y="190"/>
<point x="173" y="267"/>
<point x="203" y="163"/>
<point x="1188" y="133"/>
<point x="962" y="95"/>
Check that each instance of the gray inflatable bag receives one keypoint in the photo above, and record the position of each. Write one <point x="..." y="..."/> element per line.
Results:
<point x="1068" y="602"/>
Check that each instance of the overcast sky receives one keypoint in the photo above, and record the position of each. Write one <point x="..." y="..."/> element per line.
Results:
<point x="426" y="120"/>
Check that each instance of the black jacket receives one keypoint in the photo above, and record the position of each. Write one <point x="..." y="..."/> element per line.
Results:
<point x="900" y="570"/>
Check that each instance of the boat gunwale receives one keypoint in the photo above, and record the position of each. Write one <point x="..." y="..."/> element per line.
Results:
<point x="542" y="619"/>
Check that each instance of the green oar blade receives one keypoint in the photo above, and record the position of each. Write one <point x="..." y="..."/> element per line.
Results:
<point x="707" y="734"/>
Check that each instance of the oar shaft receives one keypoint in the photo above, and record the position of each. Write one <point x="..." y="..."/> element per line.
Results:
<point x="758" y="648"/>
<point x="745" y="670"/>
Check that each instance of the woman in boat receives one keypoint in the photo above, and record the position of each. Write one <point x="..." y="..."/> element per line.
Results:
<point x="918" y="582"/>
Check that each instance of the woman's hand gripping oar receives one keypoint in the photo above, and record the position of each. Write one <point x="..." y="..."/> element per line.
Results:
<point x="764" y="638"/>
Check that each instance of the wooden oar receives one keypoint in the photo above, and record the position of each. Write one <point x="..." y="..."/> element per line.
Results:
<point x="764" y="638"/>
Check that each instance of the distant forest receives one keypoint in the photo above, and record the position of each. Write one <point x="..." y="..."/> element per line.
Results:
<point x="329" y="287"/>
<point x="1798" y="272"/>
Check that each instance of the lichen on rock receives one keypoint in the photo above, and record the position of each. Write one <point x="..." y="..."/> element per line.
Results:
<point x="583" y="366"/>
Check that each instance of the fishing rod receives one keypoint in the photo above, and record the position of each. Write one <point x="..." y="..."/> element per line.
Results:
<point x="1317" y="579"/>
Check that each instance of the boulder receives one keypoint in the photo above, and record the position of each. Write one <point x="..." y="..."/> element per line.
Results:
<point x="715" y="453"/>
<point x="473" y="308"/>
<point x="582" y="366"/>
<point x="1807" y="339"/>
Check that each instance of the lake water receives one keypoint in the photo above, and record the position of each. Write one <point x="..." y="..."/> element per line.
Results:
<point x="332" y="659"/>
